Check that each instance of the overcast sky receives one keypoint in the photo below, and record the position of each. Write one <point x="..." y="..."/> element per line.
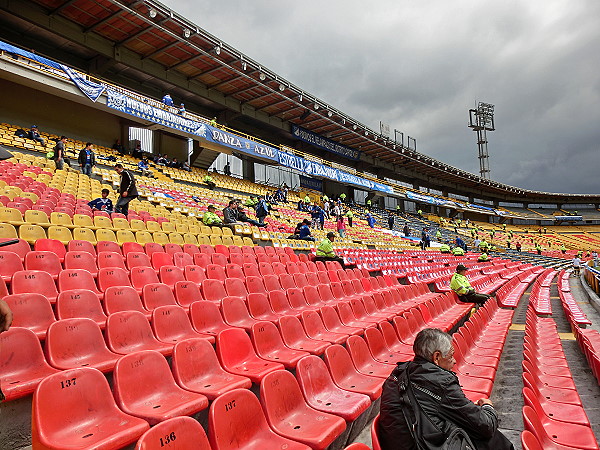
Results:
<point x="421" y="65"/>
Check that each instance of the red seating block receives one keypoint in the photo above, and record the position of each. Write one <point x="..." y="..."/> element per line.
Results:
<point x="269" y="345"/>
<point x="123" y="298"/>
<point x="144" y="387"/>
<point x="31" y="311"/>
<point x="171" y="324"/>
<point x="295" y="337"/>
<point x="34" y="282"/>
<point x="129" y="332"/>
<point x="87" y="417"/>
<point x="174" y="434"/>
<point x="76" y="303"/>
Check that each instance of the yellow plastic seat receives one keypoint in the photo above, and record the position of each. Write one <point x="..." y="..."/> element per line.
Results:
<point x="120" y="224"/>
<point x="8" y="231"/>
<point x="160" y="238"/>
<point x="176" y="238"/>
<point x="218" y="231"/>
<point x="125" y="236"/>
<point x="30" y="195"/>
<point x="153" y="226"/>
<point x="189" y="238"/>
<point x="246" y="230"/>
<point x="203" y="239"/>
<point x="168" y="227"/>
<point x="182" y="228"/>
<point x="84" y="234"/>
<point x="227" y="240"/>
<point x="225" y="230"/>
<point x="238" y="240"/>
<point x="237" y="229"/>
<point x="31" y="233"/>
<point x="137" y="225"/>
<point x="206" y="230"/>
<point x="104" y="234"/>
<point x="60" y="233"/>
<point x="61" y="219"/>
<point x="82" y="220"/>
<point x="11" y="215"/>
<point x="216" y="240"/>
<point x="143" y="237"/>
<point x="102" y="222"/>
<point x="248" y="241"/>
<point x="194" y="229"/>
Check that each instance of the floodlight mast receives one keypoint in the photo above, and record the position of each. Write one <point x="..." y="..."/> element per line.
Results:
<point x="481" y="120"/>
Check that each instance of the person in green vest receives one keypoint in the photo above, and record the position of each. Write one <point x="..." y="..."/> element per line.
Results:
<point x="209" y="181"/>
<point x="325" y="250"/>
<point x="398" y="209"/>
<point x="483" y="257"/>
<point x="369" y="203"/>
<point x="250" y="202"/>
<point x="438" y="234"/>
<point x="483" y="246"/>
<point x="343" y="197"/>
<point x="306" y="199"/>
<point x="580" y="253"/>
<point x="325" y="198"/>
<point x="461" y="286"/>
<point x="473" y="233"/>
<point x="445" y="248"/>
<point x="420" y="213"/>
<point x="458" y="251"/>
<point x="213" y="122"/>
<point x="349" y="215"/>
<point x="492" y="248"/>
<point x="563" y="249"/>
<point x="210" y="218"/>
<point x="538" y="249"/>
<point x="504" y="226"/>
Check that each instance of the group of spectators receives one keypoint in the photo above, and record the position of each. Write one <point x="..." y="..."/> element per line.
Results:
<point x="235" y="214"/>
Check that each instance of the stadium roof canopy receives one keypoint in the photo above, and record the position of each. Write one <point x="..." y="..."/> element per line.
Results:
<point x="144" y="40"/>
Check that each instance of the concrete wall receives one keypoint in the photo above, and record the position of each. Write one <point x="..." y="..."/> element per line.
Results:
<point x="173" y="146"/>
<point x="24" y="106"/>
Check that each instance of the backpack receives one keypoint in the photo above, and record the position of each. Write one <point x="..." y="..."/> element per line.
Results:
<point x="261" y="210"/>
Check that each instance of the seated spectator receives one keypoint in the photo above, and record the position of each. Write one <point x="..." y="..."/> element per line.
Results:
<point x="460" y="284"/>
<point x="445" y="247"/>
<point x="325" y="250"/>
<point x="371" y="220"/>
<point x="181" y="109"/>
<point x="186" y="166"/>
<point x="167" y="100"/>
<point x="251" y="202"/>
<point x="458" y="251"/>
<point x="230" y="213"/>
<point x="211" y="219"/>
<point x="34" y="134"/>
<point x="175" y="164"/>
<point x="483" y="257"/>
<point x="144" y="167"/>
<point x="87" y="159"/>
<point x="242" y="217"/>
<point x="102" y="203"/>
<point x="425" y="390"/>
<point x="119" y="147"/>
<point x="304" y="231"/>
<point x="208" y="180"/>
<point x="227" y="169"/>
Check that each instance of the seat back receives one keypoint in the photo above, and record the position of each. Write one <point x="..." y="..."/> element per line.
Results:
<point x="176" y="433"/>
<point x="80" y="303"/>
<point x="157" y="294"/>
<point x="206" y="318"/>
<point x="112" y="276"/>
<point x="374" y="436"/>
<point x="187" y="292"/>
<point x="34" y="281"/>
<point x="123" y="298"/>
<point x="171" y="322"/>
<point x="128" y="331"/>
<point x="213" y="290"/>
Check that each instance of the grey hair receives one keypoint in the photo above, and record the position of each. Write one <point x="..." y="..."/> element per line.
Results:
<point x="431" y="340"/>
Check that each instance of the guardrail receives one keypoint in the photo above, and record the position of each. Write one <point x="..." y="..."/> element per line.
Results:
<point x="592" y="277"/>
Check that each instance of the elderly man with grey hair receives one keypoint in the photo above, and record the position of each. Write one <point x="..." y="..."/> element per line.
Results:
<point x="438" y="392"/>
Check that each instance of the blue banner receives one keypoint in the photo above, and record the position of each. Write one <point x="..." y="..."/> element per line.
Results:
<point x="311" y="183"/>
<point x="236" y="142"/>
<point x="92" y="90"/>
<point x="326" y="144"/>
<point x="429" y="199"/>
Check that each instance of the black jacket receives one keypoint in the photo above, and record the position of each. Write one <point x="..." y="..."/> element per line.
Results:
<point x="82" y="157"/>
<point x="445" y="404"/>
<point x="230" y="215"/>
<point x="128" y="184"/>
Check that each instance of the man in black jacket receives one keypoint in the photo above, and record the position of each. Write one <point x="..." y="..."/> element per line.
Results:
<point x="439" y="393"/>
<point x="127" y="190"/>
<point x="87" y="159"/>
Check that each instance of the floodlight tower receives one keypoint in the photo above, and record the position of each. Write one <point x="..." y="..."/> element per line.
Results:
<point x="481" y="120"/>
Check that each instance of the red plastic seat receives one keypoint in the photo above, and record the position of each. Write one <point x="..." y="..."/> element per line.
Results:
<point x="171" y="324"/>
<point x="235" y="288"/>
<point x="141" y="276"/>
<point x="206" y="318"/>
<point x="137" y="259"/>
<point x="259" y="307"/>
<point x="177" y="433"/>
<point x="202" y="259"/>
<point x="110" y="259"/>
<point x="315" y="329"/>
<point x="112" y="276"/>
<point x="72" y="343"/>
<point x="269" y="345"/>
<point x="236" y="258"/>
<point x="129" y="332"/>
<point x="187" y="292"/>
<point x="21" y="248"/>
<point x="77" y="303"/>
<point x="286" y="281"/>
<point x="250" y="269"/>
<point x="208" y="249"/>
<point x="157" y="294"/>
<point x="358" y="446"/>
<point x="31" y="311"/>
<point x="255" y="285"/>
<point x="131" y="247"/>
<point x="22" y="362"/>
<point x="87" y="418"/>
<point x="379" y="349"/>
<point x="170" y="275"/>
<point x="234" y="270"/>
<point x="374" y="436"/>
<point x="151" y="247"/>
<point x="568" y="396"/>
<point x="160" y="259"/>
<point x="123" y="298"/>
<point x="197" y="369"/>
<point x="290" y="416"/>
<point x="348" y="317"/>
<point x="215" y="272"/>
<point x="81" y="260"/>
<point x="279" y="304"/>
<point x="34" y="282"/>
<point x="171" y="249"/>
<point x="321" y="392"/>
<point x="347" y="377"/>
<point x="295" y="337"/>
<point x="237" y="356"/>
<point x="529" y="441"/>
<point x="236" y="421"/>
<point x="332" y="322"/>
<point x="194" y="273"/>
<point x="556" y="411"/>
<point x="213" y="290"/>
<point x="144" y="387"/>
<point x="51" y="245"/>
<point x="108" y="246"/>
<point x="236" y="313"/>
<point x="364" y="362"/>
<point x="297" y="300"/>
<point x="10" y="263"/>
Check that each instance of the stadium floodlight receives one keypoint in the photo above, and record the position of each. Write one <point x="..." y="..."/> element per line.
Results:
<point x="354" y="127"/>
<point x="152" y="13"/>
<point x="329" y="114"/>
<point x="396" y="133"/>
<point x="316" y="106"/>
<point x="281" y="88"/>
<point x="218" y="50"/>
<point x="262" y="76"/>
<point x="187" y="33"/>
<point x="481" y="120"/>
